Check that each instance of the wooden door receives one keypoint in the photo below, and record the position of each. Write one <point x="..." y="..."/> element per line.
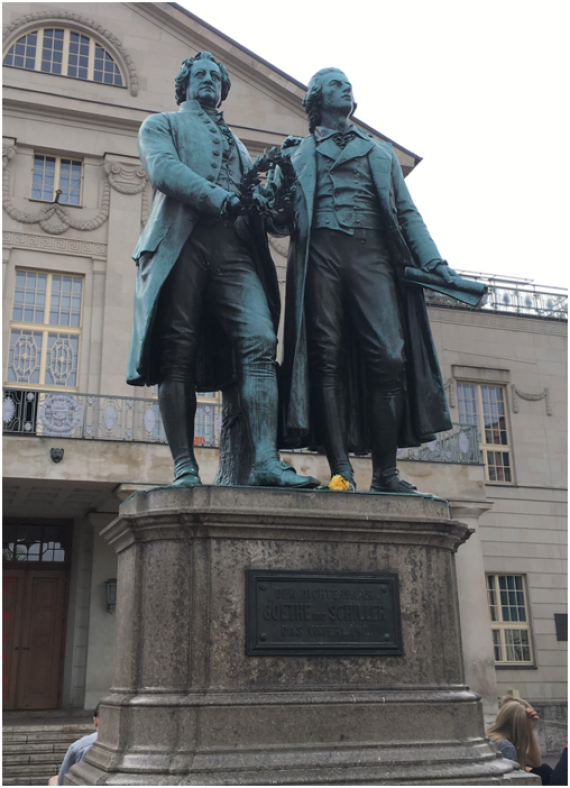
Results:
<point x="36" y="601"/>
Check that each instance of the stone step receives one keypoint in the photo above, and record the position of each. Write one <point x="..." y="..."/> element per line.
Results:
<point x="31" y="754"/>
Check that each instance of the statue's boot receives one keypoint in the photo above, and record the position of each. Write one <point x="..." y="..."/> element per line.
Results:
<point x="330" y="412"/>
<point x="385" y="416"/>
<point x="177" y="402"/>
<point x="258" y="394"/>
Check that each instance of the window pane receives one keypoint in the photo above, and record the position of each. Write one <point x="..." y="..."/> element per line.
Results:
<point x="517" y="645"/>
<point x="64" y="309"/>
<point x="43" y="178"/>
<point x="23" y="53"/>
<point x="24" y="542"/>
<point x="24" y="357"/>
<point x="29" y="297"/>
<point x="105" y="69"/>
<point x="497" y="645"/>
<point x="52" y="53"/>
<point x="61" y="362"/>
<point x="467" y="403"/>
<point x="78" y="56"/>
<point x="499" y="466"/>
<point x="494" y="415"/>
<point x="492" y="597"/>
<point x="70" y="181"/>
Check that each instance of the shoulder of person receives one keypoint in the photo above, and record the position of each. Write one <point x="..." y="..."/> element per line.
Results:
<point x="159" y="119"/>
<point x="508" y="749"/>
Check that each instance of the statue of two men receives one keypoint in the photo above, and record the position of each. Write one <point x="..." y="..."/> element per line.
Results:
<point x="359" y="368"/>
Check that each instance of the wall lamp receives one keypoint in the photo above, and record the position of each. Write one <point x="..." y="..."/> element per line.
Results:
<point x="111" y="594"/>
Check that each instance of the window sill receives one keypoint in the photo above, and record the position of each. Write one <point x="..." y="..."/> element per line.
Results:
<point x="516" y="667"/>
<point x="51" y="202"/>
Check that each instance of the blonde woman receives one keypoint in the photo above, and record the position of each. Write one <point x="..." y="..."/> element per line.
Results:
<point x="513" y="733"/>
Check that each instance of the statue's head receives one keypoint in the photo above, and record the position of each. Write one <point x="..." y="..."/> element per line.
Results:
<point x="330" y="88"/>
<point x="202" y="78"/>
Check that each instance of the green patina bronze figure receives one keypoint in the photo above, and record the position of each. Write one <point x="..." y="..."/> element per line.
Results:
<point x="206" y="300"/>
<point x="360" y="368"/>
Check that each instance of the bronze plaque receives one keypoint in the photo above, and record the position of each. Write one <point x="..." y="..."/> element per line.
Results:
<point x="322" y="613"/>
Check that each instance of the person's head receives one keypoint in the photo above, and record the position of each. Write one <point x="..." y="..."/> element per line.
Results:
<point x="512" y="723"/>
<point x="331" y="90"/>
<point x="96" y="716"/>
<point x="203" y="79"/>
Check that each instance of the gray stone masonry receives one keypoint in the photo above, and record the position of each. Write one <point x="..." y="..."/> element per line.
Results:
<point x="189" y="707"/>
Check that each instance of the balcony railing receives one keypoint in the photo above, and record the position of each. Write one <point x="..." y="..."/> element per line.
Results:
<point x="97" y="417"/>
<point x="512" y="296"/>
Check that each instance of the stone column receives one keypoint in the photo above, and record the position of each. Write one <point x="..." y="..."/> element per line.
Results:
<point x="197" y="701"/>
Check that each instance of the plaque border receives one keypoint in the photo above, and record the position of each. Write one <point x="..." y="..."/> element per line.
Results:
<point x="254" y="648"/>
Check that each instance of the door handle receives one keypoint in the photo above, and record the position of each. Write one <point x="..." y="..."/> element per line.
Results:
<point x="25" y="648"/>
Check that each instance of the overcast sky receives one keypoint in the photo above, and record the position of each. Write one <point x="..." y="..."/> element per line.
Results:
<point x="478" y="88"/>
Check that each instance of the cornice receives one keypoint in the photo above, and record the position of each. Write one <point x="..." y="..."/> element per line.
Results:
<point x="484" y="319"/>
<point x="56" y="108"/>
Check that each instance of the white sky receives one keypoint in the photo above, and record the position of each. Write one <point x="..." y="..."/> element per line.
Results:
<point x="479" y="88"/>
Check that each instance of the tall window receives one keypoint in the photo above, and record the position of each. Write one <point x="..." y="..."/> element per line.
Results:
<point x="55" y="172"/>
<point x="508" y="609"/>
<point x="45" y="331"/>
<point x="484" y="406"/>
<point x="59" y="50"/>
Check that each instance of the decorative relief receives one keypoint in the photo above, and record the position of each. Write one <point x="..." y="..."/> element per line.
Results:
<point x="449" y="387"/>
<point x="126" y="179"/>
<point x="487" y="319"/>
<point x="69" y="16"/>
<point x="279" y="245"/>
<point x="544" y="394"/>
<point x="50" y="244"/>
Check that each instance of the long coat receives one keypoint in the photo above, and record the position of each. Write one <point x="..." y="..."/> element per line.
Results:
<point x="177" y="152"/>
<point x="410" y="244"/>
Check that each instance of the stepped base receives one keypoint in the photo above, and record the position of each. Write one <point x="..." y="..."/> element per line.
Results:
<point x="197" y="701"/>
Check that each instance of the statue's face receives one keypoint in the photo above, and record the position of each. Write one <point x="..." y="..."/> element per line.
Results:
<point x="337" y="93"/>
<point x="205" y="83"/>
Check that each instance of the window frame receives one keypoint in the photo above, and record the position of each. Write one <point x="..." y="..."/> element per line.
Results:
<point x="501" y="626"/>
<point x="67" y="31"/>
<point x="45" y="329"/>
<point x="485" y="447"/>
<point x="56" y="178"/>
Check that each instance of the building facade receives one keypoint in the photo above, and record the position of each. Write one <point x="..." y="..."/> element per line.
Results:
<point x="79" y="78"/>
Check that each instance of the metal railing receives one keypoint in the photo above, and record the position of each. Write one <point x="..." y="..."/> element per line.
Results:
<point x="459" y="445"/>
<point x="98" y="417"/>
<point x="512" y="296"/>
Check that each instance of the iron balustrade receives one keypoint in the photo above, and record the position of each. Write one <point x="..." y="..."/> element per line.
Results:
<point x="98" y="417"/>
<point x="512" y="296"/>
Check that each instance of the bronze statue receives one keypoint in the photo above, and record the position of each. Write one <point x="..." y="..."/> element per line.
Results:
<point x="207" y="300"/>
<point x="360" y="369"/>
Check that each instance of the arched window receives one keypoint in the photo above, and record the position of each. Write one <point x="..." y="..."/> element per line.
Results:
<point x="59" y="50"/>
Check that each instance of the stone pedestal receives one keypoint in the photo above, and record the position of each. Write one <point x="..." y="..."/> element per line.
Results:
<point x="188" y="706"/>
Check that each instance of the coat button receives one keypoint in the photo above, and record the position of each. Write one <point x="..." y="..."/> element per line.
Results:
<point x="214" y="165"/>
